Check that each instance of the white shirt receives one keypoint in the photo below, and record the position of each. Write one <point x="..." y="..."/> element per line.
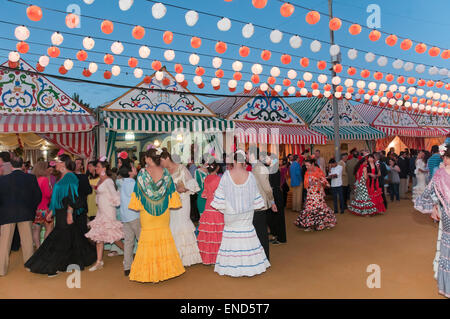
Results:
<point x="337" y="170"/>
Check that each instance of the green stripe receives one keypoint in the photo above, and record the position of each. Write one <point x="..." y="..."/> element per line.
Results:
<point x="309" y="108"/>
<point x="350" y="132"/>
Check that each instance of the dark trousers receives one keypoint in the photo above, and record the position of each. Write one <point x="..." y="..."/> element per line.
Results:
<point x="394" y="190"/>
<point x="346" y="191"/>
<point x="195" y="215"/>
<point x="260" y="224"/>
<point x="338" y="192"/>
<point x="15" y="245"/>
<point x="384" y="196"/>
<point x="277" y="224"/>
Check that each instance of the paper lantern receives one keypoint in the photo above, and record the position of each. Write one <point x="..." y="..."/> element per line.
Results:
<point x="374" y="35"/>
<point x="369" y="57"/>
<point x="43" y="60"/>
<point x="275" y="71"/>
<point x="287" y="9"/>
<point x="215" y="82"/>
<point x="53" y="52"/>
<point x="352" y="54"/>
<point x="196" y="42"/>
<point x="334" y="50"/>
<point x="312" y="17"/>
<point x="393" y="87"/>
<point x="34" y="13"/>
<point x="68" y="64"/>
<point x="391" y="40"/>
<point x="421" y="48"/>
<point x="88" y="43"/>
<point x="39" y="68"/>
<point x="224" y="24"/>
<point x="434" y="51"/>
<point x="411" y="90"/>
<point x="107" y="75"/>
<point x="338" y="95"/>
<point x="88" y="1"/>
<point x="351" y="71"/>
<point x="348" y="83"/>
<point x="307" y="76"/>
<point x="132" y="62"/>
<point x="301" y="84"/>
<point x="237" y="66"/>
<point x="430" y="83"/>
<point x="295" y="42"/>
<point x="144" y="52"/>
<point x="257" y="68"/>
<point x="197" y="80"/>
<point x="21" y="33"/>
<point x="108" y="58"/>
<point x="156" y="65"/>
<point x="336" y="80"/>
<point x="397" y="64"/>
<point x="265" y="55"/>
<point x="378" y="76"/>
<point x="271" y="80"/>
<point x="445" y="54"/>
<point x="178" y="68"/>
<point x="433" y="70"/>
<point x="259" y="4"/>
<point x="93" y="67"/>
<point x="185" y="84"/>
<point x="57" y="38"/>
<point x="291" y="90"/>
<point x="248" y="30"/>
<point x="201" y="85"/>
<point x="292" y="74"/>
<point x="360" y="84"/>
<point x="276" y="36"/>
<point x="303" y="91"/>
<point x="194" y="59"/>
<point x="287" y="82"/>
<point x="232" y="84"/>
<point x="321" y="65"/>
<point x="86" y="73"/>
<point x="117" y="47"/>
<point x="389" y="77"/>
<point x="263" y="87"/>
<point x="62" y="70"/>
<point x="315" y="46"/>
<point x="420" y="92"/>
<point x="125" y="5"/>
<point x="159" y="75"/>
<point x="138" y="32"/>
<point x="443" y="72"/>
<point x="285" y="59"/>
<point x="372" y="86"/>
<point x="107" y="27"/>
<point x="14" y="56"/>
<point x="326" y="87"/>
<point x="439" y="84"/>
<point x="406" y="44"/>
<point x="304" y="62"/>
<point x="72" y="20"/>
<point x="169" y="55"/>
<point x="382" y="61"/>
<point x="216" y="62"/>
<point x="159" y="10"/>
<point x="115" y="70"/>
<point x="248" y="86"/>
<point x="22" y="47"/>
<point x="322" y="78"/>
<point x="219" y="73"/>
<point x="191" y="18"/>
<point x="365" y="73"/>
<point x="165" y="81"/>
<point x="244" y="51"/>
<point x="335" y="24"/>
<point x="337" y="68"/>
<point x="137" y="73"/>
<point x="408" y="66"/>
<point x="221" y="47"/>
<point x="237" y="76"/>
<point x="255" y="78"/>
<point x="168" y="37"/>
<point x="354" y="29"/>
<point x="277" y="88"/>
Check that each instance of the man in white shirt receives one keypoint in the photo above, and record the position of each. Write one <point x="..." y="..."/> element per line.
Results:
<point x="335" y="176"/>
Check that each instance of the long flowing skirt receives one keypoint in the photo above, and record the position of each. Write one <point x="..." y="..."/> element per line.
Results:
<point x="210" y="235"/>
<point x="443" y="273"/>
<point x="362" y="205"/>
<point x="420" y="186"/>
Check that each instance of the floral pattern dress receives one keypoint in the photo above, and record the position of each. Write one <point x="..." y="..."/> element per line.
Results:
<point x="317" y="214"/>
<point x="362" y="205"/>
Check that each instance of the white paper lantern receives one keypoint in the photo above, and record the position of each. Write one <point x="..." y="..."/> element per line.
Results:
<point x="369" y="57"/>
<point x="21" y="33"/>
<point x="291" y="90"/>
<point x="411" y="90"/>
<point x="237" y="66"/>
<point x="402" y="89"/>
<point x="336" y="80"/>
<point x="375" y="98"/>
<point x="399" y="102"/>
<point x="248" y="30"/>
<point x="169" y="55"/>
<point x="397" y="64"/>
<point x="444" y="97"/>
<point x="367" y="97"/>
<point x="428" y="108"/>
<point x="421" y="107"/>
<point x="408" y="66"/>
<point x="440" y="110"/>
<point x="303" y="91"/>
<point x="348" y="95"/>
<point x="327" y="94"/>
<point x="263" y="87"/>
<point x="372" y="85"/>
<point x="408" y="104"/>
<point x="14" y="56"/>
<point x="315" y="46"/>
<point x="433" y="70"/>
<point x="307" y="76"/>
<point x="159" y="75"/>
<point x="415" y="105"/>
<point x="447" y="111"/>
<point x="215" y="82"/>
<point x="334" y="50"/>
<point x="68" y="64"/>
<point x="117" y="47"/>
<point x="391" y="101"/>
<point x="197" y="80"/>
<point x="383" y="99"/>
<point x="393" y="87"/>
<point x="44" y="60"/>
<point x="248" y="85"/>
<point x="315" y="92"/>
<point x="382" y="87"/>
<point x="232" y="84"/>
<point x="338" y="95"/>
<point x="420" y="68"/>
<point x="348" y="82"/>
<point x="88" y="43"/>
<point x="88" y="1"/>
<point x="360" y="84"/>
<point x="275" y="71"/>
<point x="125" y="5"/>
<point x="443" y="72"/>
<point x="382" y="61"/>
<point x="292" y="74"/>
<point x="159" y="10"/>
<point x="436" y="96"/>
<point x="276" y="36"/>
<point x="144" y="51"/>
<point x="295" y="42"/>
<point x="429" y="94"/>
<point x="194" y="59"/>
<point x="257" y="68"/>
<point x="216" y="62"/>
<point x="277" y="88"/>
<point x="57" y="38"/>
<point x="115" y="70"/>
<point x="224" y="24"/>
<point x="352" y="54"/>
<point x="138" y="73"/>
<point x="420" y="92"/>
<point x="179" y="77"/>
<point x="93" y="67"/>
<point x="191" y="18"/>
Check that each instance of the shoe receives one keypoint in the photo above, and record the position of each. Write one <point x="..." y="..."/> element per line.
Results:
<point x="113" y="254"/>
<point x="275" y="242"/>
<point x="98" y="265"/>
<point x="126" y="272"/>
<point x="53" y="275"/>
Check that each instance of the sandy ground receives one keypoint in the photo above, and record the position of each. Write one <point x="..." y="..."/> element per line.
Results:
<point x="326" y="264"/>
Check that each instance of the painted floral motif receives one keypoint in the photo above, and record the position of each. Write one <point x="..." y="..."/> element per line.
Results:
<point x="390" y="118"/>
<point x="347" y="115"/>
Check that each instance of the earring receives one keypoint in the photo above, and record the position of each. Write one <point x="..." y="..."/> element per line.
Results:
<point x="102" y="174"/>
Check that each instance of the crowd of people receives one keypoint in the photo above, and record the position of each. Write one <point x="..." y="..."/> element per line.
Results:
<point x="147" y="213"/>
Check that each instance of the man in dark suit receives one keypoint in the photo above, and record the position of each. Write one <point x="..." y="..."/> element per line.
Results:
<point x="19" y="197"/>
<point x="403" y="163"/>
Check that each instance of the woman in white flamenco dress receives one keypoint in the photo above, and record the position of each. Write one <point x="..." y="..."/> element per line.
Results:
<point x="421" y="176"/>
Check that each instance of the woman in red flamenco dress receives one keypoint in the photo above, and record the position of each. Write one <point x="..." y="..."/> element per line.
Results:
<point x="373" y="187"/>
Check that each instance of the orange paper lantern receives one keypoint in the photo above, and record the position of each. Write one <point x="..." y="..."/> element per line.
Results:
<point x="138" y="32"/>
<point x="62" y="69"/>
<point x="219" y="73"/>
<point x="147" y="79"/>
<point x="201" y="85"/>
<point x="107" y="27"/>
<point x="406" y="44"/>
<point x="86" y="73"/>
<point x="434" y="51"/>
<point x="255" y="78"/>
<point x="243" y="51"/>
<point x="72" y="20"/>
<point x="378" y="75"/>
<point x="312" y="17"/>
<point x="350" y="90"/>
<point x="259" y="4"/>
<point x="389" y="77"/>
<point x="301" y="84"/>
<point x="354" y="29"/>
<point x="199" y="71"/>
<point x="34" y="13"/>
<point x="421" y="82"/>
<point x="337" y="68"/>
<point x="196" y="42"/>
<point x="82" y="55"/>
<point x="185" y="83"/>
<point x="22" y="47"/>
<point x="168" y="37"/>
<point x="178" y="68"/>
<point x="53" y="52"/>
<point x="237" y="76"/>
<point x="335" y="24"/>
<point x="411" y="80"/>
<point x="365" y="73"/>
<point x="165" y="81"/>
<point x="39" y="68"/>
<point x="374" y="35"/>
<point x="398" y="95"/>
<point x="265" y="55"/>
<point x="271" y="80"/>
<point x="351" y="71"/>
<point x="287" y="9"/>
<point x="285" y="59"/>
<point x="314" y="86"/>
<point x="401" y="79"/>
<point x="107" y="75"/>
<point x="445" y="54"/>
<point x="327" y="87"/>
<point x="108" y="58"/>
<point x="132" y="62"/>
<point x="439" y="84"/>
<point x="221" y="47"/>
<point x="430" y="83"/>
<point x="391" y="40"/>
<point x="321" y="65"/>
<point x="286" y="82"/>
<point x="304" y="62"/>
<point x="421" y="48"/>
<point x="389" y="94"/>
<point x="156" y="65"/>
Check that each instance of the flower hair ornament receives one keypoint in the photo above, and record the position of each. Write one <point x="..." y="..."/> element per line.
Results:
<point x="158" y="151"/>
<point x="123" y="155"/>
<point x="102" y="159"/>
<point x="442" y="149"/>
<point x="150" y="146"/>
<point x="61" y="152"/>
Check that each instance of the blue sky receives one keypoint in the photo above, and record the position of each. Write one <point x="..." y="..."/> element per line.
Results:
<point x="419" y="20"/>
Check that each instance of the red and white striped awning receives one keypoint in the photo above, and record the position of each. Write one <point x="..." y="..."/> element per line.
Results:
<point x="80" y="143"/>
<point x="46" y="123"/>
<point x="276" y="134"/>
<point x="414" y="132"/>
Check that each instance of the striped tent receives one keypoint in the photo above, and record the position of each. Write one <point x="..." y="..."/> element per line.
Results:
<point x="319" y="115"/>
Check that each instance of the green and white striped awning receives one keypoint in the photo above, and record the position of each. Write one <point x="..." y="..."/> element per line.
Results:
<point x="350" y="132"/>
<point x="163" y="123"/>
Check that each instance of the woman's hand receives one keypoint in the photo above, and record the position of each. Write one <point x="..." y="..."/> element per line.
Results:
<point x="181" y="189"/>
<point x="49" y="217"/>
<point x="274" y="208"/>
<point x="436" y="214"/>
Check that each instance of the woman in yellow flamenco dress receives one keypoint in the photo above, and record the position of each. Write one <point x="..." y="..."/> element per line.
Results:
<point x="157" y="257"/>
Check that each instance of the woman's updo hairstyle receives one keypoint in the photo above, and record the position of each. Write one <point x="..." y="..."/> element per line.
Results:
<point x="239" y="156"/>
<point x="105" y="164"/>
<point x="165" y="154"/>
<point x="68" y="163"/>
<point x="211" y="167"/>
<point x="151" y="153"/>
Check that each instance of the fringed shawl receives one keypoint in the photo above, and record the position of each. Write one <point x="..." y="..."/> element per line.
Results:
<point x="315" y="172"/>
<point x="154" y="196"/>
<point x="66" y="187"/>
